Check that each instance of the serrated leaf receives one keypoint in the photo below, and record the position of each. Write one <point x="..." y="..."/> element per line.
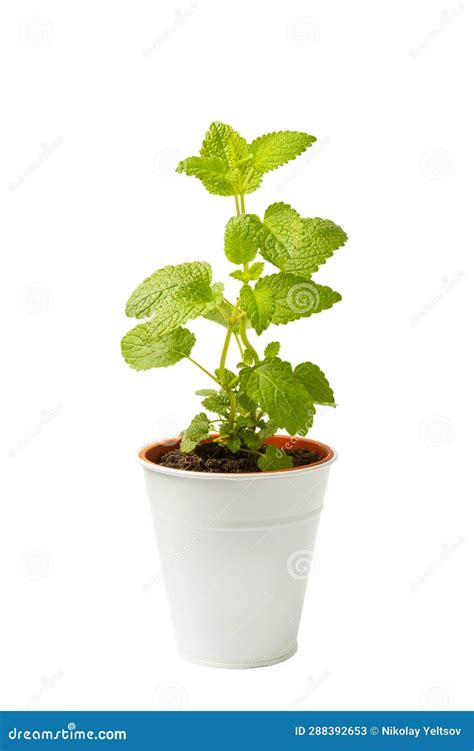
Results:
<point x="229" y="376"/>
<point x="320" y="239"/>
<point x="259" y="304"/>
<point x="241" y="238"/>
<point x="248" y="357"/>
<point x="175" y="294"/>
<point x="245" y="403"/>
<point x="273" y="459"/>
<point x="267" y="430"/>
<point x="225" y="166"/>
<point x="295" y="296"/>
<point x="316" y="383"/>
<point x="233" y="443"/>
<point x="252" y="440"/>
<point x="197" y="431"/>
<point x="275" y="388"/>
<point x="143" y="349"/>
<point x="218" y="403"/>
<point x="272" y="349"/>
<point x="280" y="234"/>
<point x="212" y="172"/>
<point x="223" y="142"/>
<point x="272" y="150"/>
<point x="239" y="275"/>
<point x="255" y="270"/>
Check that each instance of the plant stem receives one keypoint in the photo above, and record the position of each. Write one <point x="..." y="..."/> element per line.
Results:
<point x="241" y="349"/>
<point x="237" y="207"/>
<point x="225" y="350"/>
<point x="242" y="203"/>
<point x="244" y="337"/>
<point x="204" y="370"/>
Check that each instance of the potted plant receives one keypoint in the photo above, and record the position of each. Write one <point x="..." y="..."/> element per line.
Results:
<point x="236" y="505"/>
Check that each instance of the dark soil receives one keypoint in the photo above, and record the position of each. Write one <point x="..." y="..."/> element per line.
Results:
<point x="213" y="457"/>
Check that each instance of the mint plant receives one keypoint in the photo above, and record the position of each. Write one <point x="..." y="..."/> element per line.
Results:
<point x="246" y="405"/>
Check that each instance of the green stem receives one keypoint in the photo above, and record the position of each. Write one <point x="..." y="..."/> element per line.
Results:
<point x="241" y="349"/>
<point x="244" y="337"/>
<point x="204" y="370"/>
<point x="237" y="207"/>
<point x="242" y="203"/>
<point x="225" y="350"/>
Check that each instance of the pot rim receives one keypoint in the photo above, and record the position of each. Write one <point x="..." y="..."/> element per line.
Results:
<point x="330" y="456"/>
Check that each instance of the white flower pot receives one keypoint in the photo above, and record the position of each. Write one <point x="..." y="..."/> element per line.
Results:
<point x="235" y="553"/>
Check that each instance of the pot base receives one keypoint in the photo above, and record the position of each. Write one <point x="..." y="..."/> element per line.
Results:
<point x="243" y="665"/>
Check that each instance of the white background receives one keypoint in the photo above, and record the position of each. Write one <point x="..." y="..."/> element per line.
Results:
<point x="100" y="100"/>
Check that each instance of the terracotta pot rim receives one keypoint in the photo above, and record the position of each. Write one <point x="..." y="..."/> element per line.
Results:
<point x="329" y="457"/>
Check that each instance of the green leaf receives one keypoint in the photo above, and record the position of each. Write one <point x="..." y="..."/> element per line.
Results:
<point x="206" y="392"/>
<point x="252" y="440"/>
<point x="176" y="294"/>
<point x="275" y="149"/>
<point x="218" y="403"/>
<point x="295" y="296"/>
<point x="241" y="238"/>
<point x="245" y="403"/>
<point x="252" y="273"/>
<point x="259" y="304"/>
<point x="316" y="383"/>
<point x="248" y="357"/>
<point x="281" y="233"/>
<point x="143" y="349"/>
<point x="320" y="239"/>
<point x="233" y="443"/>
<point x="216" y="316"/>
<point x="238" y="274"/>
<point x="275" y="388"/>
<point x="225" y="165"/>
<point x="223" y="142"/>
<point x="196" y="432"/>
<point x="255" y="270"/>
<point x="229" y="376"/>
<point x="274" y="459"/>
<point x="272" y="349"/>
<point x="267" y="430"/>
<point x="212" y="172"/>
